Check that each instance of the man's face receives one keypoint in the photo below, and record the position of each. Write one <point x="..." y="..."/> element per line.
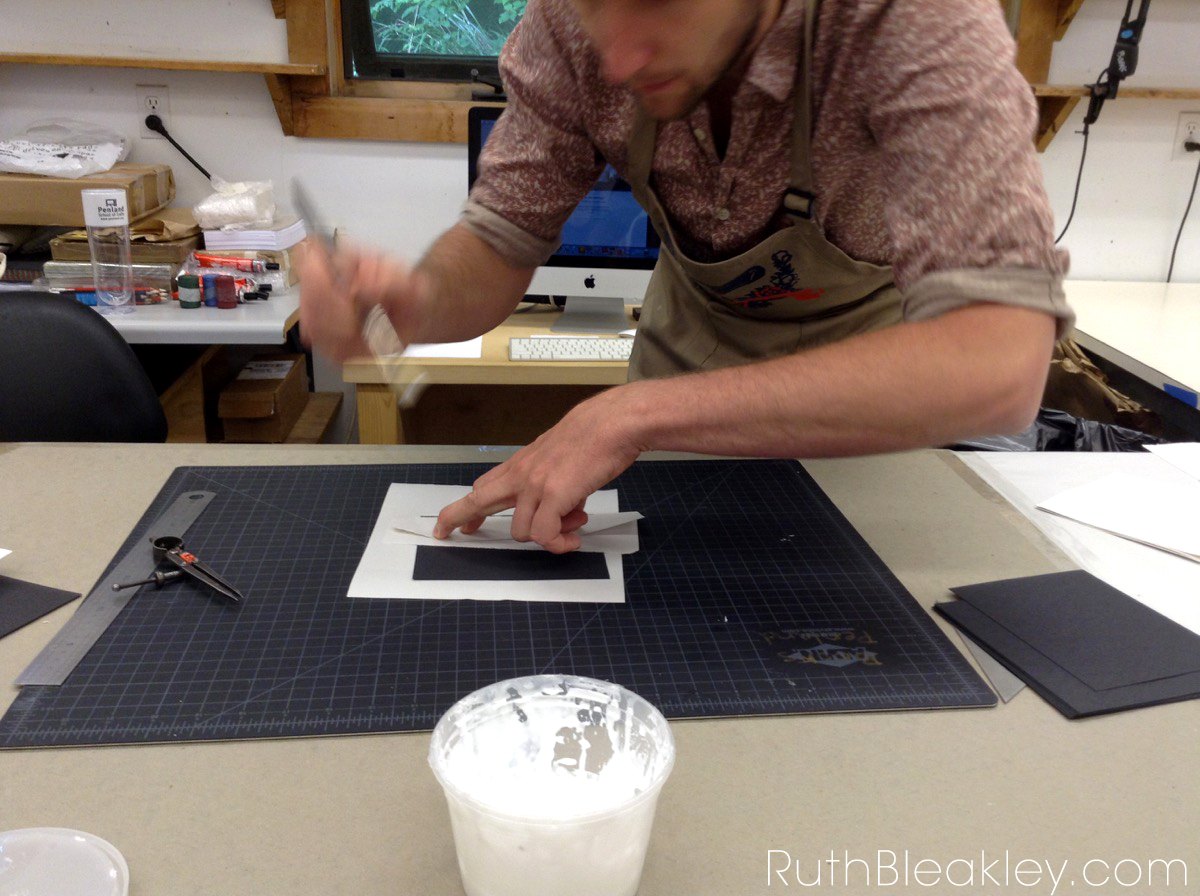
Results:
<point x="671" y="52"/>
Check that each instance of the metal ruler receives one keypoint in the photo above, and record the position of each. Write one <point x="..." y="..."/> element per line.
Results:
<point x="102" y="604"/>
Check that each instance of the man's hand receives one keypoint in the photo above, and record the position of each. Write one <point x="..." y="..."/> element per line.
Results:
<point x="460" y="289"/>
<point x="338" y="291"/>
<point x="547" y="482"/>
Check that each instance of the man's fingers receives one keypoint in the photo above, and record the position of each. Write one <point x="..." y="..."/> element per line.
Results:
<point x="522" y="520"/>
<point x="467" y="514"/>
<point x="563" y="544"/>
<point x="539" y="523"/>
<point x="575" y="519"/>
<point x="546" y="529"/>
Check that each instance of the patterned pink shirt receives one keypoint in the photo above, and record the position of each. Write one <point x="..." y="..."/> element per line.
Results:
<point x="922" y="149"/>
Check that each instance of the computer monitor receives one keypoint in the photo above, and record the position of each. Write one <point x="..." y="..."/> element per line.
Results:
<point x="608" y="251"/>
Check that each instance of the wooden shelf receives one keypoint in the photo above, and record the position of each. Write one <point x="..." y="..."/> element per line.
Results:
<point x="1057" y="102"/>
<point x="177" y="65"/>
<point x="1039" y="24"/>
<point x="283" y="78"/>
<point x="1145" y="93"/>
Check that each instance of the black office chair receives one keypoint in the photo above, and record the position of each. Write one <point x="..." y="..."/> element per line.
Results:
<point x="67" y="375"/>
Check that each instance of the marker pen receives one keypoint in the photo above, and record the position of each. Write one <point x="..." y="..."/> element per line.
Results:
<point x="252" y="265"/>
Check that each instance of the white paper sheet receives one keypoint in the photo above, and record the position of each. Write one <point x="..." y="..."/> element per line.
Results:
<point x="1138" y="508"/>
<point x="4" y="553"/>
<point x="604" y="532"/>
<point x="386" y="568"/>
<point x="1166" y="583"/>
<point x="471" y="348"/>
<point x="1185" y="455"/>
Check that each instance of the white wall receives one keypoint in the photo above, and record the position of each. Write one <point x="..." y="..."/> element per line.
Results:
<point x="1133" y="196"/>
<point x="400" y="195"/>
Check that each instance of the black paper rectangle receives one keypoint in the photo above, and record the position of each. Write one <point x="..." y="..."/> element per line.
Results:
<point x="1082" y="644"/>
<point x="23" y="602"/>
<point x="454" y="564"/>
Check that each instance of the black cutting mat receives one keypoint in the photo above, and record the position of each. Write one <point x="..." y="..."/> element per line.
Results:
<point x="751" y="595"/>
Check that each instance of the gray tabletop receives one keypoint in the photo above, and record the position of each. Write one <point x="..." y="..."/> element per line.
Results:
<point x="1004" y="800"/>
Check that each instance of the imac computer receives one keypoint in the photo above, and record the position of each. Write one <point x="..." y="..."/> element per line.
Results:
<point x="609" y="248"/>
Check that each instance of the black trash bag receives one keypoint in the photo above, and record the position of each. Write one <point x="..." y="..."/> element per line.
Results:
<point x="1059" y="431"/>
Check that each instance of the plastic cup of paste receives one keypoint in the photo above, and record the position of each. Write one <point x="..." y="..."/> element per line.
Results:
<point x="551" y="782"/>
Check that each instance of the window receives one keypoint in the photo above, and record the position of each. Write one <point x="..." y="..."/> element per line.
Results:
<point x="426" y="40"/>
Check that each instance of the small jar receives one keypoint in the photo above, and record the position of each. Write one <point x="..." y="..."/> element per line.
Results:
<point x="209" y="289"/>
<point x="226" y="291"/>
<point x="189" y="291"/>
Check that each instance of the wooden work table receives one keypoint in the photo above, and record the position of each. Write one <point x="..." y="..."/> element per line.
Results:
<point x="364" y="814"/>
<point x="465" y="397"/>
<point x="1148" y="331"/>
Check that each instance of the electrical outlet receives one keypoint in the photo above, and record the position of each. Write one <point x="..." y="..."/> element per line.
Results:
<point x="1188" y="130"/>
<point x="153" y="99"/>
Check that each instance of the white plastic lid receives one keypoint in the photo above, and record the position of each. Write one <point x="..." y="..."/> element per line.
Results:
<point x="56" y="861"/>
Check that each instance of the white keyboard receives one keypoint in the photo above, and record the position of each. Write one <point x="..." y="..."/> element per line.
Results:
<point x="569" y="348"/>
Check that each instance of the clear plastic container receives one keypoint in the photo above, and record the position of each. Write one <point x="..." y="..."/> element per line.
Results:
<point x="106" y="213"/>
<point x="551" y="782"/>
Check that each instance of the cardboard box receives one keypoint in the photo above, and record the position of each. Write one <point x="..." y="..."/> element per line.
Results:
<point x="264" y="401"/>
<point x="64" y="248"/>
<point x="56" y="201"/>
<point x="166" y="236"/>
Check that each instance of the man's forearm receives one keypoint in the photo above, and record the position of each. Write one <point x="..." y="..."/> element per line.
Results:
<point x="471" y="288"/>
<point x="980" y="370"/>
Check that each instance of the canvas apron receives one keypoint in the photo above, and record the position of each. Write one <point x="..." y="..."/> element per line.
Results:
<point x="792" y="291"/>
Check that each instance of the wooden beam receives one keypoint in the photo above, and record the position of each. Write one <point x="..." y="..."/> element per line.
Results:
<point x="281" y="95"/>
<point x="308" y="37"/>
<point x="379" y="421"/>
<point x="364" y="118"/>
<point x="1053" y="112"/>
<point x="1035" y="38"/>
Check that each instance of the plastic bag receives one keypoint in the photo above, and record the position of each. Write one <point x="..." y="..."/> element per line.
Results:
<point x="63" y="147"/>
<point x="1059" y="431"/>
<point x="236" y="205"/>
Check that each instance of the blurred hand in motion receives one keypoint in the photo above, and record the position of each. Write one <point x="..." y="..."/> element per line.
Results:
<point x="339" y="289"/>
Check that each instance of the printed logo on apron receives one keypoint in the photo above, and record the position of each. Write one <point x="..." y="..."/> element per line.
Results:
<point x="784" y="284"/>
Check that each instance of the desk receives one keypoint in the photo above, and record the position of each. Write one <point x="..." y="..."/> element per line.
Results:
<point x="560" y="383"/>
<point x="1149" y="330"/>
<point x="190" y="401"/>
<point x="364" y="814"/>
<point x="256" y="323"/>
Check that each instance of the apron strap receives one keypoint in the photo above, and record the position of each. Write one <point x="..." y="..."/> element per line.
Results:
<point x="800" y="198"/>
